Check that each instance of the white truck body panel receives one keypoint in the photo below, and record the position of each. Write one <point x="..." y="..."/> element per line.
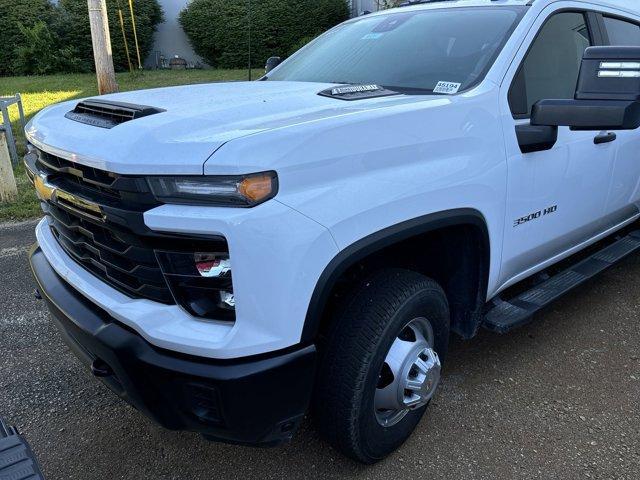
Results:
<point x="347" y="170"/>
<point x="197" y="121"/>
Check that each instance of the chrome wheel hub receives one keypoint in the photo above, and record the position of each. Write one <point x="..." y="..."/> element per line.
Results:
<point x="410" y="374"/>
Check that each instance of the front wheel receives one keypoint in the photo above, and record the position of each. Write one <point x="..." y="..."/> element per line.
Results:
<point x="382" y="363"/>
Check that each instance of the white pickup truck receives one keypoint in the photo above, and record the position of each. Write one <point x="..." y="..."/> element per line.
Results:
<point x="227" y="257"/>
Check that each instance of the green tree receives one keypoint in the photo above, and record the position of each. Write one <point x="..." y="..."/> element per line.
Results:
<point x="13" y="15"/>
<point x="39" y="53"/>
<point x="76" y="32"/>
<point x="218" y="29"/>
<point x="36" y="53"/>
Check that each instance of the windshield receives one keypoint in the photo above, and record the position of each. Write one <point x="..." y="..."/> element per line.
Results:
<point x="407" y="51"/>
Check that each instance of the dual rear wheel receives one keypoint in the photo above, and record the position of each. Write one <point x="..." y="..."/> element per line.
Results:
<point x="382" y="363"/>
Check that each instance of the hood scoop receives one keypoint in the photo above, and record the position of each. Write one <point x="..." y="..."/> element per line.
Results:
<point x="107" y="114"/>
<point x="357" y="92"/>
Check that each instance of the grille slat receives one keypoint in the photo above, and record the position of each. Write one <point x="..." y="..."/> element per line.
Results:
<point x="71" y="172"/>
<point x="122" y="264"/>
<point x="103" y="246"/>
<point x="59" y="165"/>
<point x="121" y="281"/>
<point x="136" y="275"/>
<point x="104" y="240"/>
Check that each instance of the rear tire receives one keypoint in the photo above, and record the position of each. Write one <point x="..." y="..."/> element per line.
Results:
<point x="378" y="317"/>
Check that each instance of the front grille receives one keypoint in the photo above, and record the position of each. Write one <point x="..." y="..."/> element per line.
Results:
<point x="97" y="218"/>
<point x="132" y="269"/>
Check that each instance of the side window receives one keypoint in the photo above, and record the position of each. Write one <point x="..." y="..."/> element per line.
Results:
<point x="622" y="33"/>
<point x="551" y="68"/>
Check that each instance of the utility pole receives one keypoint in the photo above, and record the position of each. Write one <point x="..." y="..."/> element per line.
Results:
<point x="101" y="40"/>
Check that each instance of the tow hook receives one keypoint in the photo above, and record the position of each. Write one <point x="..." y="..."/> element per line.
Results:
<point x="100" y="369"/>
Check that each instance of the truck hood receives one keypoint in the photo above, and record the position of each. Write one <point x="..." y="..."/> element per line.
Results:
<point x="197" y="120"/>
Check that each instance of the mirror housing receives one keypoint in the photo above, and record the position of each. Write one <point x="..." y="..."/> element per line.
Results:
<point x="610" y="73"/>
<point x="272" y="63"/>
<point x="595" y="115"/>
<point x="607" y="96"/>
<point x="534" y="138"/>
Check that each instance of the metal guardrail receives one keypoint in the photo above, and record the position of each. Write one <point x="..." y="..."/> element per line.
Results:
<point x="5" y="123"/>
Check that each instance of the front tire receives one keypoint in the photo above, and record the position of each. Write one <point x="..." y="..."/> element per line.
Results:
<point x="381" y="365"/>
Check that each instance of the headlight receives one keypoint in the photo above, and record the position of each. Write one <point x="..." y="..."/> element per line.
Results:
<point x="234" y="191"/>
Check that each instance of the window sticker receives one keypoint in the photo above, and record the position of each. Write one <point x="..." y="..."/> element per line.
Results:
<point x="392" y="22"/>
<point x="448" y="88"/>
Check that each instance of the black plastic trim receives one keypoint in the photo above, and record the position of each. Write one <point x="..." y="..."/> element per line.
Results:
<point x="255" y="400"/>
<point x="595" y="26"/>
<point x="608" y="52"/>
<point x="108" y="114"/>
<point x="593" y="115"/>
<point x="385" y="238"/>
<point x="506" y="315"/>
<point x="536" y="138"/>
<point x="605" y="138"/>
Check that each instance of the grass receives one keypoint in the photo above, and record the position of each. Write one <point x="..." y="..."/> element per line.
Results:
<point x="40" y="91"/>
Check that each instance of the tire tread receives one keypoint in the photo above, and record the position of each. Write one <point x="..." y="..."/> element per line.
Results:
<point x="352" y="343"/>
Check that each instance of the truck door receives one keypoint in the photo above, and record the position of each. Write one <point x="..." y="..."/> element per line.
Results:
<point x="556" y="198"/>
<point x="624" y="197"/>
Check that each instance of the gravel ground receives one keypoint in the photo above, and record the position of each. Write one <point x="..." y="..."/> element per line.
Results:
<point x="557" y="399"/>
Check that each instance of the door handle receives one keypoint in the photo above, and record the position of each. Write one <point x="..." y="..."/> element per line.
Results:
<point x="605" y="138"/>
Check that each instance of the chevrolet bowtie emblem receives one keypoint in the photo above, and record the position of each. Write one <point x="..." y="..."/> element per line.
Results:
<point x="43" y="189"/>
<point x="78" y="205"/>
<point x="68" y="201"/>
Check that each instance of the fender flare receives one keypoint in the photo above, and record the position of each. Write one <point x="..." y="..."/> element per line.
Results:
<point x="379" y="240"/>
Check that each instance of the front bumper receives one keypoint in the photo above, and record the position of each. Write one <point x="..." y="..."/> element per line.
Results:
<point x="258" y="400"/>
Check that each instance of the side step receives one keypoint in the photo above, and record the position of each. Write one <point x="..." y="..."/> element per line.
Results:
<point x="507" y="315"/>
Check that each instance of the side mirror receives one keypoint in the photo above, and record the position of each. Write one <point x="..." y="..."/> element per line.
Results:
<point x="272" y="63"/>
<point x="607" y="96"/>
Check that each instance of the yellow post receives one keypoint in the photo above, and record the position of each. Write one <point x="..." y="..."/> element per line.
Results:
<point x="135" y="33"/>
<point x="124" y="37"/>
<point x="8" y="187"/>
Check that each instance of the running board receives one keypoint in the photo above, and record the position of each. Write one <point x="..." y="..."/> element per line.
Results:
<point x="507" y="315"/>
